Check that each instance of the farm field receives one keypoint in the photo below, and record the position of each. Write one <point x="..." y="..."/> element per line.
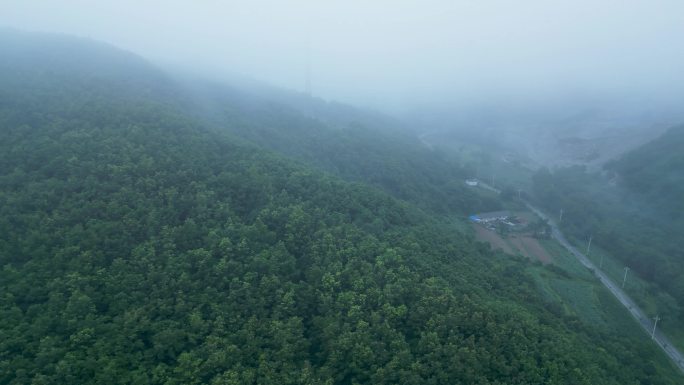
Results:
<point x="514" y="243"/>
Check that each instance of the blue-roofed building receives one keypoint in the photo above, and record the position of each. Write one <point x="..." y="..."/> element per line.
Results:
<point x="489" y="217"/>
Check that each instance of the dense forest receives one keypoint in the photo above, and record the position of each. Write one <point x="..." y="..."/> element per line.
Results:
<point x="356" y="146"/>
<point x="633" y="209"/>
<point x="654" y="173"/>
<point x="141" y="244"/>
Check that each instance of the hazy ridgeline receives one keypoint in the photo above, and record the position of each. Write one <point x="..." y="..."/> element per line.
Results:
<point x="273" y="192"/>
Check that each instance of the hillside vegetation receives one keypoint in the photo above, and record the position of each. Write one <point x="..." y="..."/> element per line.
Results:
<point x="139" y="246"/>
<point x="639" y="220"/>
<point x="357" y="146"/>
<point x="654" y="172"/>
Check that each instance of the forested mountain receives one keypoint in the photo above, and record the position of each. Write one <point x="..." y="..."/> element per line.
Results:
<point x="655" y="173"/>
<point x="140" y="244"/>
<point x="355" y="146"/>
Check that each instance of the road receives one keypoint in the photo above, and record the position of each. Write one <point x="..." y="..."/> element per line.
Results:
<point x="642" y="319"/>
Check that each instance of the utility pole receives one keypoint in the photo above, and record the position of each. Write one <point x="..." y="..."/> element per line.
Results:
<point x="492" y="180"/>
<point x="624" y="279"/>
<point x="307" y="81"/>
<point x="589" y="245"/>
<point x="601" y="262"/>
<point x="519" y="190"/>
<point x="560" y="218"/>
<point x="656" y="318"/>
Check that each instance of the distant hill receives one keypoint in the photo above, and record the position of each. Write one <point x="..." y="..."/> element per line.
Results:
<point x="655" y="171"/>
<point x="563" y="135"/>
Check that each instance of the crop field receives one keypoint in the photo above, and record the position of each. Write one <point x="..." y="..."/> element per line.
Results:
<point x="495" y="240"/>
<point x="515" y="244"/>
<point x="566" y="261"/>
<point x="580" y="298"/>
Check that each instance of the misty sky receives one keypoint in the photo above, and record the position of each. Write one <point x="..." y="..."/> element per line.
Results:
<point x="390" y="53"/>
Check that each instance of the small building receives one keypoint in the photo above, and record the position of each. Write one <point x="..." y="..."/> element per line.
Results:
<point x="490" y="217"/>
<point x="471" y="182"/>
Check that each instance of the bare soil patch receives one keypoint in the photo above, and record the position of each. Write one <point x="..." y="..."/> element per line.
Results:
<point x="485" y="235"/>
<point x="531" y="248"/>
<point x="514" y="244"/>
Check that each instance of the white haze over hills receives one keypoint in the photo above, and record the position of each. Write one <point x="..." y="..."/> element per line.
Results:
<point x="539" y="76"/>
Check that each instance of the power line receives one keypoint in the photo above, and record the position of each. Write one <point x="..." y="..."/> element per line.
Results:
<point x="589" y="245"/>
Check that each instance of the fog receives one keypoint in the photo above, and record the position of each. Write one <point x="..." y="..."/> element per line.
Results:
<point x="404" y="57"/>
